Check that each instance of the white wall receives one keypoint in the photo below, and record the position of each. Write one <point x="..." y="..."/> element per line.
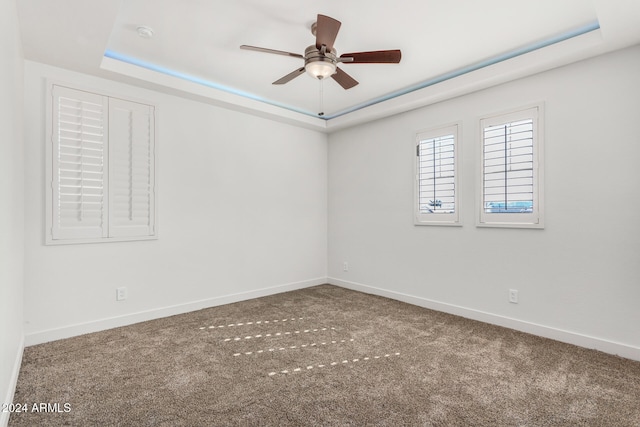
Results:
<point x="578" y="279"/>
<point x="241" y="212"/>
<point x="11" y="202"/>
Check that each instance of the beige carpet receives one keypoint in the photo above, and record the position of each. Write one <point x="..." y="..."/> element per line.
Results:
<point x="322" y="356"/>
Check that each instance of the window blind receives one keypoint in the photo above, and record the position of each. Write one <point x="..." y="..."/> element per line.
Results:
<point x="102" y="168"/>
<point x="508" y="168"/>
<point x="131" y="168"/>
<point x="511" y="175"/>
<point x="436" y="174"/>
<point x="436" y="198"/>
<point x="79" y="153"/>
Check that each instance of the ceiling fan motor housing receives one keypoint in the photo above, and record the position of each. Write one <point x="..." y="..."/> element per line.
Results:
<point x="318" y="64"/>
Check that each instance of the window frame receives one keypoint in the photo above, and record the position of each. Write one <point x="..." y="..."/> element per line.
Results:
<point x="50" y="169"/>
<point x="442" y="219"/>
<point x="534" y="219"/>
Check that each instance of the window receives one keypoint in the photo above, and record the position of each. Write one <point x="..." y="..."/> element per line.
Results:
<point x="511" y="171"/>
<point x="100" y="168"/>
<point x="436" y="189"/>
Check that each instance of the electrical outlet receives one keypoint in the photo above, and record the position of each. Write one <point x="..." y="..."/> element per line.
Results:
<point x="121" y="293"/>
<point x="345" y="266"/>
<point x="513" y="296"/>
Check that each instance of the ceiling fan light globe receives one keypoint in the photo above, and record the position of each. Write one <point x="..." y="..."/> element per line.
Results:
<point x="320" y="69"/>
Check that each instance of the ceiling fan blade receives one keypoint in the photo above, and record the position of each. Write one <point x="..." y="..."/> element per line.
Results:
<point x="289" y="77"/>
<point x="265" y="50"/>
<point x="375" y="57"/>
<point x="344" y="79"/>
<point x="326" y="31"/>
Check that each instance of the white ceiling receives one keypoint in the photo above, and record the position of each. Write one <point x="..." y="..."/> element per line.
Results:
<point x="195" y="47"/>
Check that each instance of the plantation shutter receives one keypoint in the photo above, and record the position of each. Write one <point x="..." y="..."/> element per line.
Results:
<point x="131" y="169"/>
<point x="436" y="198"/>
<point x="80" y="161"/>
<point x="100" y="168"/>
<point x="436" y="157"/>
<point x="508" y="167"/>
<point x="512" y="173"/>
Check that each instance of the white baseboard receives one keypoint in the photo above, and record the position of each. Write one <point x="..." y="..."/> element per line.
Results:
<point x="581" y="340"/>
<point x="11" y="390"/>
<point x="611" y="347"/>
<point x="143" y="316"/>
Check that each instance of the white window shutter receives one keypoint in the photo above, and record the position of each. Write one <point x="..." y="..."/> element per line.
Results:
<point x="508" y="167"/>
<point x="79" y="161"/>
<point x="512" y="170"/>
<point x="436" y="198"/>
<point x="131" y="169"/>
<point x="436" y="169"/>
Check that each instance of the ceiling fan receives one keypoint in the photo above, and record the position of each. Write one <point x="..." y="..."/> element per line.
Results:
<point x="321" y="59"/>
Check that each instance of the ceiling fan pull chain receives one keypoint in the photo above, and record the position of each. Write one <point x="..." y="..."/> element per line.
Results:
<point x="321" y="109"/>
